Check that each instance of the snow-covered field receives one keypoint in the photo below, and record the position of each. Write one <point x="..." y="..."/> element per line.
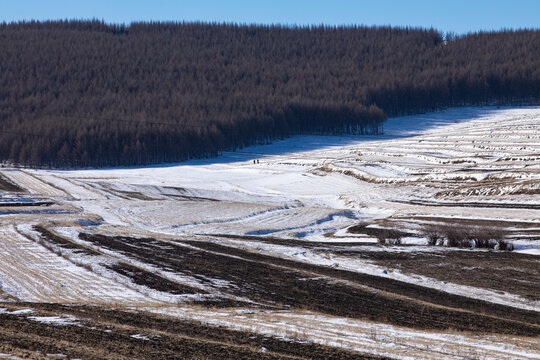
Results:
<point x="311" y="186"/>
<point x="479" y="165"/>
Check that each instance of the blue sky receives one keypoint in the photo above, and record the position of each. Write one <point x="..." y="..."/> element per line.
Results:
<point x="460" y="16"/>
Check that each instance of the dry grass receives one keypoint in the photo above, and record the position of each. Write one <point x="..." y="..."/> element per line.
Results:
<point x="109" y="334"/>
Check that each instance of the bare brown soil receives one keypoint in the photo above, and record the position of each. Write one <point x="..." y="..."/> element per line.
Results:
<point x="379" y="233"/>
<point x="503" y="271"/>
<point x="63" y="242"/>
<point x="133" y="195"/>
<point x="26" y="204"/>
<point x="470" y="204"/>
<point x="392" y="286"/>
<point x="409" y="226"/>
<point x="153" y="281"/>
<point x="287" y="283"/>
<point x="498" y="270"/>
<point x="7" y="185"/>
<point x="521" y="225"/>
<point x="108" y="334"/>
<point x="136" y="274"/>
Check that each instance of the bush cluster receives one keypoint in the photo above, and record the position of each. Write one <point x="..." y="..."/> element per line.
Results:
<point x="486" y="237"/>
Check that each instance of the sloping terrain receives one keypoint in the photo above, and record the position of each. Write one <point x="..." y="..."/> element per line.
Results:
<point x="314" y="247"/>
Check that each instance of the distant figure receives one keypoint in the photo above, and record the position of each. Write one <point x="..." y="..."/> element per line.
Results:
<point x="254" y="161"/>
<point x="257" y="161"/>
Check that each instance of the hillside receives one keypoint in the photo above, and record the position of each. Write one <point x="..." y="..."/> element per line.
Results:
<point x="321" y="250"/>
<point x="84" y="93"/>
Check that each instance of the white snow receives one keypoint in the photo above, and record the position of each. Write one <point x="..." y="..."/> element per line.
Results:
<point x="308" y="186"/>
<point x="140" y="337"/>
<point x="463" y="163"/>
<point x="364" y="336"/>
<point x="62" y="320"/>
<point x="16" y="312"/>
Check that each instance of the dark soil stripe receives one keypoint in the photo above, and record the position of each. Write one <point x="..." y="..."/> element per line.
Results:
<point x="292" y="284"/>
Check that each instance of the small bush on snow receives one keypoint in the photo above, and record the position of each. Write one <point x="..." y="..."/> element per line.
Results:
<point x="486" y="237"/>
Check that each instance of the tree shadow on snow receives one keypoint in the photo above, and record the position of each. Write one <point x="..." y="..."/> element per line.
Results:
<point x="394" y="128"/>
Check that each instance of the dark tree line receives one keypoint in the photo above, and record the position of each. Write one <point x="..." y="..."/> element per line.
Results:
<point x="85" y="93"/>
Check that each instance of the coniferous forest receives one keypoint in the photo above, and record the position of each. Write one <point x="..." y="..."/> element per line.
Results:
<point x="85" y="93"/>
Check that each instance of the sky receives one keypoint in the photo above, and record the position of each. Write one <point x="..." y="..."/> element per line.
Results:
<point x="459" y="16"/>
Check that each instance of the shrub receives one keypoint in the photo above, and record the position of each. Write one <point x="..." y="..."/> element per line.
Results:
<point x="487" y="237"/>
<point x="388" y="236"/>
<point x="433" y="234"/>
